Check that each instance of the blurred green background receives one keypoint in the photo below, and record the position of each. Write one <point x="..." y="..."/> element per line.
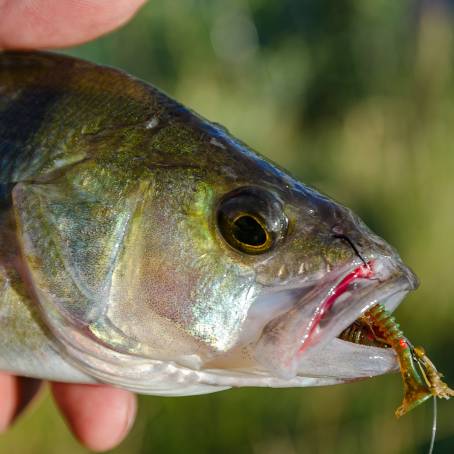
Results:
<point x="357" y="99"/>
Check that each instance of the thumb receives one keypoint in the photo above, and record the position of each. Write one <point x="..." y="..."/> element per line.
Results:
<point x="31" y="24"/>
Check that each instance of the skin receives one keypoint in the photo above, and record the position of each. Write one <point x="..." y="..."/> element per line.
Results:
<point x="26" y="24"/>
<point x="99" y="416"/>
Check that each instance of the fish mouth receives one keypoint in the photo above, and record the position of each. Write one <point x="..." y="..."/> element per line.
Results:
<point x="303" y="341"/>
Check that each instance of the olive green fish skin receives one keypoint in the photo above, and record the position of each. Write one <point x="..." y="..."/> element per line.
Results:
<point x="112" y="188"/>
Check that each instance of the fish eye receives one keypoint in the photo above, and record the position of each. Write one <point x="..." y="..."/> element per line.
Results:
<point x="251" y="220"/>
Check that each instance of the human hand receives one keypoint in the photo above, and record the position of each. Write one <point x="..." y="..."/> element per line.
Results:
<point x="99" y="416"/>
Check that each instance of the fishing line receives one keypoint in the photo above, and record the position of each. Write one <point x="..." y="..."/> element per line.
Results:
<point x="341" y="236"/>
<point x="434" y="426"/>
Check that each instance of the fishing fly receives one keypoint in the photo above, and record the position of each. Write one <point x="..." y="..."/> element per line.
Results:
<point x="377" y="327"/>
<point x="421" y="380"/>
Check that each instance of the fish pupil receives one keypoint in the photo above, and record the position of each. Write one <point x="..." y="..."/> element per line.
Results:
<point x="249" y="231"/>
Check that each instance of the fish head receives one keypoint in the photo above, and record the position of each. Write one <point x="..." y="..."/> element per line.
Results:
<point x="315" y="267"/>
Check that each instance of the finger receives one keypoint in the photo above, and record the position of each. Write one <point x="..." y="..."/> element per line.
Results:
<point x="99" y="416"/>
<point x="16" y="393"/>
<point x="26" y="24"/>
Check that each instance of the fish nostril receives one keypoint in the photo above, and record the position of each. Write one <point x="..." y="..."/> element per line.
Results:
<point x="337" y="230"/>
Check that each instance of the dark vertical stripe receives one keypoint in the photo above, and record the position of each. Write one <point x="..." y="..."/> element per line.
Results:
<point x="19" y="122"/>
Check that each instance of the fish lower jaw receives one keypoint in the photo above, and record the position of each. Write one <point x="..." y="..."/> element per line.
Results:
<point x="348" y="361"/>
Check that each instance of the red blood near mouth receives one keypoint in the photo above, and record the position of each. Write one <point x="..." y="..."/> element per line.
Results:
<point x="364" y="271"/>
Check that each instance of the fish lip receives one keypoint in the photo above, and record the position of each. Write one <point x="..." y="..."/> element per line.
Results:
<point x="380" y="290"/>
<point x="392" y="281"/>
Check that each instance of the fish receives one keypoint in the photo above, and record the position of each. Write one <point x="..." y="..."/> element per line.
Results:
<point x="145" y="247"/>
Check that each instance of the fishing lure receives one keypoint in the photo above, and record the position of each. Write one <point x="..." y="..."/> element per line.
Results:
<point x="377" y="327"/>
